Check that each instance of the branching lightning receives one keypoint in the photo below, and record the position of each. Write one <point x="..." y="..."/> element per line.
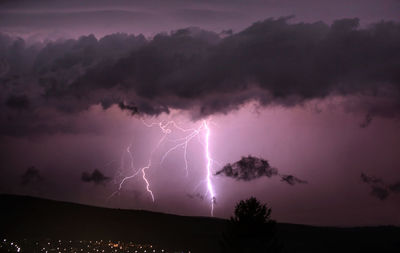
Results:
<point x="183" y="143"/>
<point x="189" y="134"/>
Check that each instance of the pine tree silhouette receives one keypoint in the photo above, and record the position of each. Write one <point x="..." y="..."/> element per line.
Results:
<point x="251" y="229"/>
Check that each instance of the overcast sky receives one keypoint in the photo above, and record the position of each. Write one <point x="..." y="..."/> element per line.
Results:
<point x="311" y="87"/>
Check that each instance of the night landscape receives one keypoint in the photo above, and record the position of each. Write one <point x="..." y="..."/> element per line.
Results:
<point x="200" y="126"/>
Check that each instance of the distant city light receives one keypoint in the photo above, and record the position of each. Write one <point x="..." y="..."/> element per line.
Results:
<point x="48" y="245"/>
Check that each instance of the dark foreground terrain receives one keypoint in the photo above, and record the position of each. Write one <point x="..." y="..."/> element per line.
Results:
<point x="29" y="219"/>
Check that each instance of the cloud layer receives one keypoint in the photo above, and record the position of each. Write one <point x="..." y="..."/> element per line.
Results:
<point x="273" y="62"/>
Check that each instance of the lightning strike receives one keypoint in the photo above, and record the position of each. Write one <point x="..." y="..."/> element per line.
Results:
<point x="208" y="167"/>
<point x="184" y="143"/>
<point x="128" y="150"/>
<point x="147" y="182"/>
<point x="143" y="169"/>
<point x="190" y="133"/>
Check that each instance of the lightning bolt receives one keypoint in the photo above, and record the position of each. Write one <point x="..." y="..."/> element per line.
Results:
<point x="166" y="129"/>
<point x="183" y="143"/>
<point x="147" y="182"/>
<point x="210" y="187"/>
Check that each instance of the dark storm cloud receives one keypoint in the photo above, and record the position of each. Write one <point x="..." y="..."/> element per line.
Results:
<point x="4" y="67"/>
<point x="250" y="168"/>
<point x="271" y="62"/>
<point x="18" y="102"/>
<point x="96" y="177"/>
<point x="31" y="175"/>
<point x="34" y="73"/>
<point x="379" y="188"/>
<point x="132" y="108"/>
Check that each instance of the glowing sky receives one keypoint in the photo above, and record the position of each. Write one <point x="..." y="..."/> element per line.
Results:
<point x="319" y="101"/>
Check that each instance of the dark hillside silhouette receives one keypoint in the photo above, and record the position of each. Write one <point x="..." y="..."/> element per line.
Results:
<point x="35" y="218"/>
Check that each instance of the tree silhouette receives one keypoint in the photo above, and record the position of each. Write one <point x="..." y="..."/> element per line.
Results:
<point x="251" y="230"/>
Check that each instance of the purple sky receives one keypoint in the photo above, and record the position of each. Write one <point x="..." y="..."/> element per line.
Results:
<point x="318" y="100"/>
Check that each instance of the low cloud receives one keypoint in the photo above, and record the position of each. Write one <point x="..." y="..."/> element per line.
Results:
<point x="371" y="179"/>
<point x="379" y="192"/>
<point x="31" y="175"/>
<point x="247" y="169"/>
<point x="378" y="188"/>
<point x="96" y="177"/>
<point x="195" y="196"/>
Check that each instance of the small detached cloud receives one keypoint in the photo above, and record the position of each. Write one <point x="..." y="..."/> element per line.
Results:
<point x="31" y="175"/>
<point x="250" y="168"/>
<point x="370" y="179"/>
<point x="96" y="177"/>
<point x="379" y="192"/>
<point x="379" y="188"/>
<point x="195" y="196"/>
